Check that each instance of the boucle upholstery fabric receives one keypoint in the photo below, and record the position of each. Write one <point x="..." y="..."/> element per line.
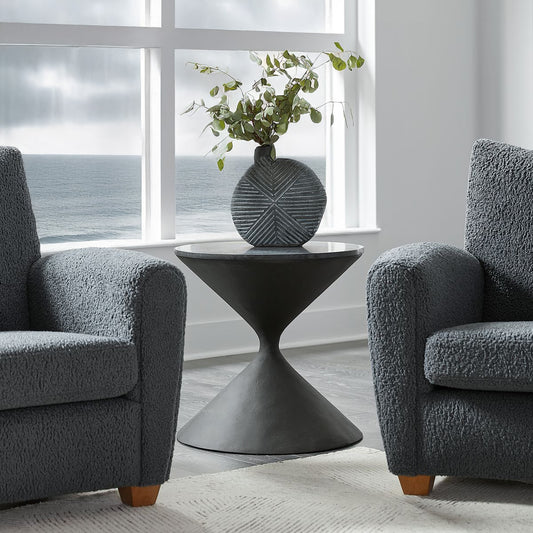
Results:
<point x="499" y="227"/>
<point x="76" y="447"/>
<point x="134" y="297"/>
<point x="414" y="291"/>
<point x="135" y="305"/>
<point x="48" y="367"/>
<point x="19" y="244"/>
<point x="475" y="434"/>
<point x="484" y="356"/>
<point x="418" y="290"/>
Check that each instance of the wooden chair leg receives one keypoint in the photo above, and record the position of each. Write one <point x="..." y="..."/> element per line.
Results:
<point x="139" y="496"/>
<point x="417" y="485"/>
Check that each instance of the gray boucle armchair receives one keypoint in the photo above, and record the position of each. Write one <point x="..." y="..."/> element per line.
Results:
<point x="91" y="348"/>
<point x="451" y="336"/>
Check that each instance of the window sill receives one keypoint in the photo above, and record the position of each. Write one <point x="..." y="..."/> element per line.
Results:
<point x="134" y="244"/>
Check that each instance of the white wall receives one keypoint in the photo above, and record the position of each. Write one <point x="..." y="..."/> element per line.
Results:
<point x="426" y="121"/>
<point x="505" y="84"/>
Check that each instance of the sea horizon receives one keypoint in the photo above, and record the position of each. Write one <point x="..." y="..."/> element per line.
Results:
<point x="85" y="197"/>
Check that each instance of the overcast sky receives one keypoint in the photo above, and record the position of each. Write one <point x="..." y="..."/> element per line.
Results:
<point x="87" y="100"/>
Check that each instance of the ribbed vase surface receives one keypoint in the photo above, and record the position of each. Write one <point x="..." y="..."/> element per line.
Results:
<point x="278" y="202"/>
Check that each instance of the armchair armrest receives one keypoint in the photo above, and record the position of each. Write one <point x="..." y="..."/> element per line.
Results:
<point x="413" y="291"/>
<point x="133" y="296"/>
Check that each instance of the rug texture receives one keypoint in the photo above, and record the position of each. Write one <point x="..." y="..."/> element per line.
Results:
<point x="345" y="491"/>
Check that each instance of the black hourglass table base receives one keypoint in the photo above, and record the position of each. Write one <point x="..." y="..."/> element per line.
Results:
<point x="269" y="408"/>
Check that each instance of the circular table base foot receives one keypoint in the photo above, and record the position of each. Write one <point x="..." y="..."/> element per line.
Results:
<point x="269" y="409"/>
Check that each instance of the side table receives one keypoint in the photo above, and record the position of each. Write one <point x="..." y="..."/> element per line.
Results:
<point x="269" y="408"/>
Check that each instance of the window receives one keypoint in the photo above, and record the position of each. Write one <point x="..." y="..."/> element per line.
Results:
<point x="92" y="96"/>
<point x="75" y="113"/>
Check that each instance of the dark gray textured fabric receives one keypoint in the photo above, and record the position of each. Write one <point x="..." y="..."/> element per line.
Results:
<point x="134" y="297"/>
<point x="47" y="367"/>
<point x="499" y="227"/>
<point x="19" y="245"/>
<point x="483" y="356"/>
<point x="414" y="291"/>
<point x="131" y="304"/>
<point x="417" y="291"/>
<point x="76" y="447"/>
<point x="476" y="434"/>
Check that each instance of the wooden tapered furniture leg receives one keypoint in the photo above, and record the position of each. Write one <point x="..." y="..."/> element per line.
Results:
<point x="139" y="496"/>
<point x="417" y="485"/>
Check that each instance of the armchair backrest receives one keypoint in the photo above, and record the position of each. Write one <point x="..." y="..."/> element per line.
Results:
<point x="19" y="244"/>
<point x="499" y="227"/>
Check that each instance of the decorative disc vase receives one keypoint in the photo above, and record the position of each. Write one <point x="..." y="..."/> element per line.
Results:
<point x="278" y="202"/>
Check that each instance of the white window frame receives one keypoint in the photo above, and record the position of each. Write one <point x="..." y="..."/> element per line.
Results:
<point x="158" y="40"/>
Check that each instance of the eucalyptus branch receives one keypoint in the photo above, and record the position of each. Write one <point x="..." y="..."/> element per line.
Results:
<point x="207" y="69"/>
<point x="262" y="115"/>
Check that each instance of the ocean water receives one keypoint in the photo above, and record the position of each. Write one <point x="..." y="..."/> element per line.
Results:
<point x="88" y="197"/>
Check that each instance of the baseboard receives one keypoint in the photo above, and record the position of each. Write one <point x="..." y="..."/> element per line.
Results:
<point x="313" y="327"/>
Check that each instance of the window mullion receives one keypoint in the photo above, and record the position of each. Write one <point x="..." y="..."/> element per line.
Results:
<point x="158" y="113"/>
<point x="167" y="197"/>
<point x="351" y="86"/>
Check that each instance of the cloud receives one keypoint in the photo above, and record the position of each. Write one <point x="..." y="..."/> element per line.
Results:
<point x="115" y="12"/>
<point x="272" y="15"/>
<point x="63" y="91"/>
<point x="45" y="85"/>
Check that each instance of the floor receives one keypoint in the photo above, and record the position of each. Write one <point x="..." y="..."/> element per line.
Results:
<point x="341" y="372"/>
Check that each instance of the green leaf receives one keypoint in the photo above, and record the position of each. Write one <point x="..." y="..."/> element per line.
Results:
<point x="316" y="115"/>
<point x="352" y="62"/>
<point x="273" y="152"/>
<point x="248" y="127"/>
<point x="215" y="132"/>
<point x="232" y="85"/>
<point x="220" y="164"/>
<point x="255" y="58"/>
<point x="189" y="108"/>
<point x="269" y="61"/>
<point x="281" y="128"/>
<point x="214" y="91"/>
<point x="338" y="45"/>
<point x="338" y="64"/>
<point x="331" y="119"/>
<point x="360" y="62"/>
<point x="229" y="147"/>
<point x="218" y="125"/>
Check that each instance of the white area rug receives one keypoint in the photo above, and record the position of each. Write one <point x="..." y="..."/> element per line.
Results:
<point x="344" y="491"/>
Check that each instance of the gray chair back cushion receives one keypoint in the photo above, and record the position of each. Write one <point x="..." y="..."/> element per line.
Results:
<point x="19" y="244"/>
<point x="499" y="227"/>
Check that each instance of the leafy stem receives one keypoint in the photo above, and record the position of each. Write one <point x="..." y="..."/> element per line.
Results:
<point x="261" y="114"/>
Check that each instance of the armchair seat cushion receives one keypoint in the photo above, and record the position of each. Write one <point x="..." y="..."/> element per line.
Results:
<point x="49" y="367"/>
<point x="490" y="356"/>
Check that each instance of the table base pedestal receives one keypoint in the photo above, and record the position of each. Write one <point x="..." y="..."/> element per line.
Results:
<point x="269" y="409"/>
